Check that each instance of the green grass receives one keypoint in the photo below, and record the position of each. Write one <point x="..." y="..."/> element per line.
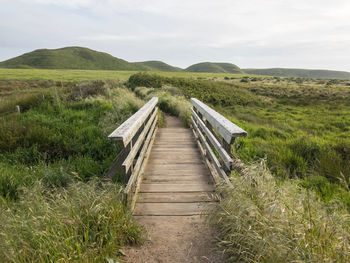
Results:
<point x="215" y="68"/>
<point x="85" y="222"/>
<point x="70" y="58"/>
<point x="85" y="75"/>
<point x="261" y="220"/>
<point x="53" y="206"/>
<point x="301" y="130"/>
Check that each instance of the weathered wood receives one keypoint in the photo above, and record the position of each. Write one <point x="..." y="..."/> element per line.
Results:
<point x="142" y="168"/>
<point x="172" y="209"/>
<point x="174" y="175"/>
<point x="190" y="197"/>
<point x="136" y="170"/>
<point x="136" y="147"/>
<point x="199" y="186"/>
<point x="223" y="126"/>
<point x="210" y="153"/>
<point x="130" y="127"/>
<point x="215" y="176"/>
<point x="227" y="160"/>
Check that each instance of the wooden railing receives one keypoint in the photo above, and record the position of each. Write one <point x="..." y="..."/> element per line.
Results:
<point x="136" y="136"/>
<point x="215" y="135"/>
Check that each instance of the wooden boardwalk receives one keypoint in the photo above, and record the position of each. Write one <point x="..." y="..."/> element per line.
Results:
<point x="176" y="181"/>
<point x="170" y="174"/>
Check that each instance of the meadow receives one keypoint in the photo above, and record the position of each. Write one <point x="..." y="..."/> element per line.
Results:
<point x="55" y="203"/>
<point x="293" y="201"/>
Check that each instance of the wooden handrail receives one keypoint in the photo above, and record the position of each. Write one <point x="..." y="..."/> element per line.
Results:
<point x="125" y="132"/>
<point x="215" y="135"/>
<point x="136" y="135"/>
<point x="223" y="126"/>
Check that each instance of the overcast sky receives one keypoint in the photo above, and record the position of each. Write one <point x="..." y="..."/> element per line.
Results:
<point x="249" y="33"/>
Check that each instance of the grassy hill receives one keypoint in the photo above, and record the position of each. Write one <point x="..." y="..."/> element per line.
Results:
<point x="70" y="58"/>
<point x="300" y="73"/>
<point x="214" y="68"/>
<point x="87" y="59"/>
<point x="154" y="65"/>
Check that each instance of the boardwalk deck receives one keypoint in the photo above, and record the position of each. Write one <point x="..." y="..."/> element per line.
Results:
<point x="176" y="190"/>
<point x="176" y="181"/>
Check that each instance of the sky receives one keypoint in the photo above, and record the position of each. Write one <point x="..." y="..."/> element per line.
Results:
<point x="311" y="34"/>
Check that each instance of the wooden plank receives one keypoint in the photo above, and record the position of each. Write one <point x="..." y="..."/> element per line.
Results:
<point x="176" y="167"/>
<point x="127" y="130"/>
<point x="175" y="161"/>
<point x="172" y="209"/>
<point x="226" y="158"/>
<point x="176" y="197"/>
<point x="215" y="176"/>
<point x="223" y="126"/>
<point x="142" y="168"/>
<point x="173" y="187"/>
<point x="210" y="154"/>
<point x="135" y="173"/>
<point x="175" y="178"/>
<point x="136" y="147"/>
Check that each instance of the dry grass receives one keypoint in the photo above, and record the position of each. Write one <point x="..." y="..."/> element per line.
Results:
<point x="85" y="222"/>
<point x="262" y="220"/>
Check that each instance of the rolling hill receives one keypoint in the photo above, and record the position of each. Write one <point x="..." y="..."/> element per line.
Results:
<point x="214" y="68"/>
<point x="85" y="58"/>
<point x="154" y="65"/>
<point x="69" y="58"/>
<point x="300" y="73"/>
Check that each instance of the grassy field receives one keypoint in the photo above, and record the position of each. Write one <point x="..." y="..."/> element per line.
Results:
<point x="84" y="75"/>
<point x="53" y="155"/>
<point x="301" y="130"/>
<point x="293" y="205"/>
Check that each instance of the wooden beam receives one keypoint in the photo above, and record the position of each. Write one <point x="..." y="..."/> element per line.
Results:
<point x="210" y="153"/>
<point x="227" y="160"/>
<point x="142" y="168"/>
<point x="135" y="173"/>
<point x="223" y="126"/>
<point x="136" y="147"/>
<point x="127" y="130"/>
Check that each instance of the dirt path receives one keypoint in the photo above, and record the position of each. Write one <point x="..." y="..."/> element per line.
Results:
<point x="175" y="193"/>
<point x="174" y="239"/>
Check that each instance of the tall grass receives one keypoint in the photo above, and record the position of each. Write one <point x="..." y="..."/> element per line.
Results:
<point x="171" y="101"/>
<point x="261" y="220"/>
<point x="302" y="130"/>
<point x="84" y="222"/>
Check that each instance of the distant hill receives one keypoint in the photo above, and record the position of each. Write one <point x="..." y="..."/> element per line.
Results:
<point x="159" y="66"/>
<point x="211" y="67"/>
<point x="85" y="58"/>
<point x="70" y="58"/>
<point x="300" y="73"/>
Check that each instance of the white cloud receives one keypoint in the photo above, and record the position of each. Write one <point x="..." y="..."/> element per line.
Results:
<point x="291" y="33"/>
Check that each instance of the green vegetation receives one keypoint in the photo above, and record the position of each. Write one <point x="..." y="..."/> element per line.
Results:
<point x="301" y="212"/>
<point x="300" y="73"/>
<point x="158" y="66"/>
<point x="53" y="155"/>
<point x="301" y="130"/>
<point x="261" y="220"/>
<point x="55" y="152"/>
<point x="80" y="58"/>
<point x="84" y="75"/>
<point x="214" y="68"/>
<point x="69" y="58"/>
